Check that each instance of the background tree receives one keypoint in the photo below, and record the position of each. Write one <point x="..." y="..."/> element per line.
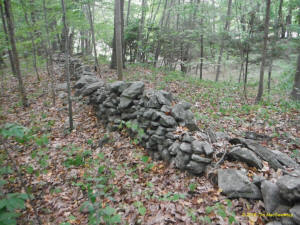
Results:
<point x="119" y="52"/>
<point x="264" y="53"/>
<point x="15" y="56"/>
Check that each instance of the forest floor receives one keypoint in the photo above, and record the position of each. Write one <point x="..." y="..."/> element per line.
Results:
<point x="70" y="174"/>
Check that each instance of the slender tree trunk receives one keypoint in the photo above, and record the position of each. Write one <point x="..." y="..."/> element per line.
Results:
<point x="11" y="32"/>
<point x="226" y="28"/>
<point x="49" y="54"/>
<point x="158" y="48"/>
<point x="32" y="41"/>
<point x="113" y="63"/>
<point x="270" y="74"/>
<point x="296" y="89"/>
<point x="141" y="32"/>
<point x="128" y="12"/>
<point x="67" y="66"/>
<point x="280" y="21"/>
<point x="264" y="53"/>
<point x="119" y="39"/>
<point x="11" y="60"/>
<point x="97" y="67"/>
<point x="289" y="22"/>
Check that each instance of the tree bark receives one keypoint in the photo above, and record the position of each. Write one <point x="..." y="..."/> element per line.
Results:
<point x="158" y="48"/>
<point x="49" y="54"/>
<point x="128" y="12"/>
<point x="226" y="28"/>
<point x="32" y="41"/>
<point x="296" y="89"/>
<point x="141" y="32"/>
<point x="13" y="69"/>
<point x="97" y="67"/>
<point x="113" y="63"/>
<point x="264" y="53"/>
<point x="11" y="34"/>
<point x="67" y="67"/>
<point x="119" y="39"/>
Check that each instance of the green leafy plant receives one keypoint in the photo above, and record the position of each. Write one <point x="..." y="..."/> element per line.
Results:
<point x="9" y="204"/>
<point x="140" y="207"/>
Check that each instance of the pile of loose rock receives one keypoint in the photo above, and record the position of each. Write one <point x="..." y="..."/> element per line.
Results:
<point x="169" y="132"/>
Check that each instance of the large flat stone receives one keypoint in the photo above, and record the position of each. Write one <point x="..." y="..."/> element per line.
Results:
<point x="235" y="184"/>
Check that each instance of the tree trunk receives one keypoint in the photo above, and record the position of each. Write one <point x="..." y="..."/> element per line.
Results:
<point x="15" y="57"/>
<point x="128" y="12"/>
<point x="289" y="22"/>
<point x="157" y="51"/>
<point x="32" y="40"/>
<point x="113" y="63"/>
<point x="296" y="89"/>
<point x="280" y="21"/>
<point x="49" y="54"/>
<point x="264" y="53"/>
<point x="97" y="67"/>
<point x="67" y="66"/>
<point x="226" y="28"/>
<point x="141" y="32"/>
<point x="119" y="39"/>
<point x="13" y="69"/>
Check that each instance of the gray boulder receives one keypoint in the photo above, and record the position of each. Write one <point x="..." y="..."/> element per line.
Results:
<point x="134" y="90"/>
<point x="186" y="147"/>
<point x="274" y="223"/>
<point x="188" y="138"/>
<point x="124" y="102"/>
<point x="166" y="155"/>
<point x="89" y="89"/>
<point x="200" y="159"/>
<point x="61" y="87"/>
<point x="155" y="99"/>
<point x="196" y="167"/>
<point x="85" y="80"/>
<point x="181" y="160"/>
<point x="235" y="184"/>
<point x="174" y="148"/>
<point x="197" y="147"/>
<point x="296" y="213"/>
<point x="167" y="121"/>
<point x="207" y="148"/>
<point x="118" y="86"/>
<point x="289" y="187"/>
<point x="271" y="196"/>
<point x="247" y="156"/>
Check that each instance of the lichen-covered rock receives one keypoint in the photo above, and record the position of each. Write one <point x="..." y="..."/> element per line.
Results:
<point x="174" y="148"/>
<point x="85" y="80"/>
<point x="186" y="147"/>
<point x="200" y="159"/>
<point x="134" y="90"/>
<point x="197" y="147"/>
<point x="247" y="156"/>
<point x="235" y="184"/>
<point x="118" y="86"/>
<point x="181" y="160"/>
<point x="167" y="121"/>
<point x="296" y="213"/>
<point x="124" y="102"/>
<point x="89" y="89"/>
<point x="196" y="167"/>
<point x="208" y="150"/>
<point x="188" y="138"/>
<point x="289" y="187"/>
<point x="271" y="196"/>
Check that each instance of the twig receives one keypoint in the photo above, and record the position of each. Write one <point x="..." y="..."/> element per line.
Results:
<point x="22" y="183"/>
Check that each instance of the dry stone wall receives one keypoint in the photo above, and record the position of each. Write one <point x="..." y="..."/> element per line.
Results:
<point x="151" y="116"/>
<point x="169" y="132"/>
